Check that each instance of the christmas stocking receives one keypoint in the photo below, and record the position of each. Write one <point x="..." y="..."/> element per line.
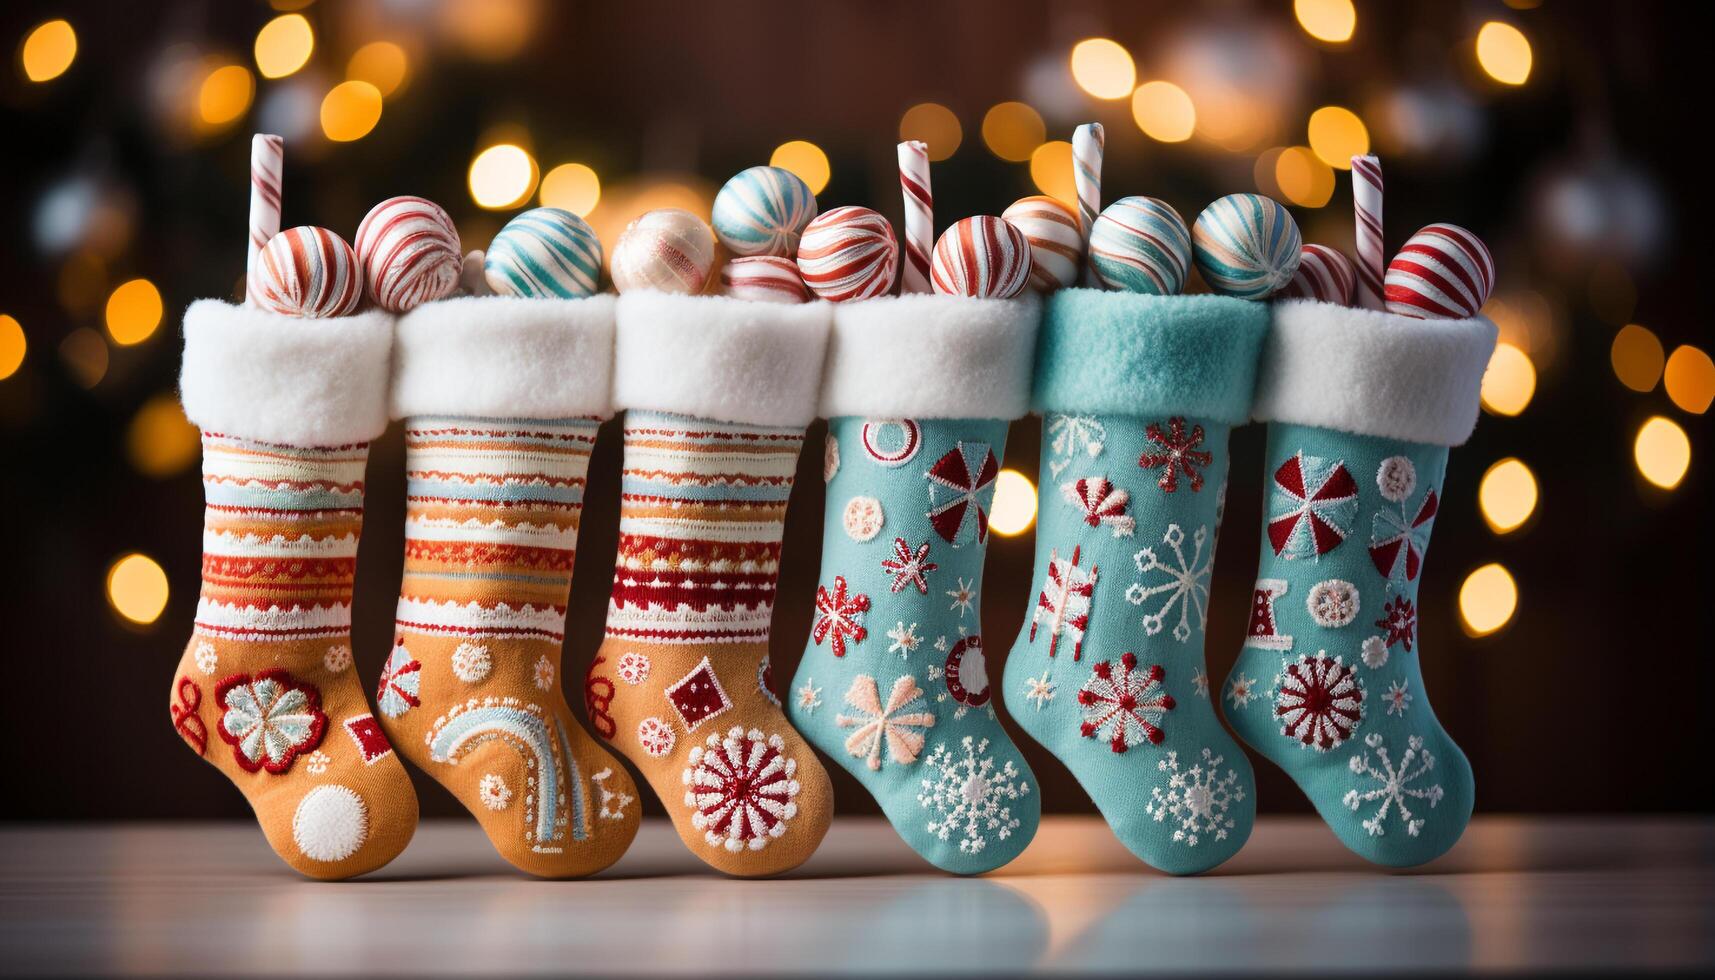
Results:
<point x="1362" y="406"/>
<point x="717" y="393"/>
<point x="1138" y="394"/>
<point x="266" y="689"/>
<point x="501" y="399"/>
<point x="894" y="683"/>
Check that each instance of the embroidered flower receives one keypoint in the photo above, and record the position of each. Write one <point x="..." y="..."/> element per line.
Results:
<point x="471" y="662"/>
<point x="1332" y="603"/>
<point x="337" y="659"/>
<point x="493" y="791"/>
<point x="633" y="668"/>
<point x="269" y="719"/>
<point x="741" y="789"/>
<point x="898" y="725"/>
<point x="656" y="737"/>
<point x="544" y="672"/>
<point x="863" y="518"/>
<point x="206" y="657"/>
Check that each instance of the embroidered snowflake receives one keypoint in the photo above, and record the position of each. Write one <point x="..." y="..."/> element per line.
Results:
<point x="899" y="724"/>
<point x="471" y="662"/>
<point x="613" y="801"/>
<point x="1177" y="454"/>
<point x="1198" y="798"/>
<point x="967" y="796"/>
<point x="963" y="596"/>
<point x="1071" y="435"/>
<point x="809" y="696"/>
<point x="1312" y="507"/>
<point x="1200" y="683"/>
<point x="840" y="616"/>
<point x="905" y="640"/>
<point x="1241" y="691"/>
<point x="1100" y="502"/>
<point x="1039" y="690"/>
<point x="317" y="762"/>
<point x="1332" y="603"/>
<point x="1374" y="652"/>
<point x="206" y="657"/>
<point x="1319" y="702"/>
<point x="741" y="789"/>
<point x="337" y="659"/>
<point x="493" y="791"/>
<point x="909" y="567"/>
<point x="656" y="736"/>
<point x="401" y="679"/>
<point x="863" y="518"/>
<point x="632" y="668"/>
<point x="269" y="719"/>
<point x="1124" y="707"/>
<point x="830" y="458"/>
<point x="941" y="646"/>
<point x="1064" y="601"/>
<point x="1185" y="583"/>
<point x="1396" y="477"/>
<point x="544" y="672"/>
<point x="1397" y="786"/>
<point x="1397" y="698"/>
<point x="1399" y="622"/>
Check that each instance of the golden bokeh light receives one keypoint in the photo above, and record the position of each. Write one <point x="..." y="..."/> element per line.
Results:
<point x="572" y="187"/>
<point x="1164" y="112"/>
<point x="382" y="64"/>
<point x="350" y="110"/>
<point x="1303" y="177"/>
<point x="284" y="45"/>
<point x="1103" y="68"/>
<point x="935" y="125"/>
<point x="492" y="30"/>
<point x="1013" y="131"/>
<point x="1488" y="598"/>
<point x="1662" y="451"/>
<point x="1691" y="379"/>
<point x="1507" y="495"/>
<point x="805" y="159"/>
<point x="1510" y="381"/>
<point x="1637" y="357"/>
<point x="85" y="354"/>
<point x="225" y="95"/>
<point x="502" y="176"/>
<point x="48" y="51"/>
<point x="13" y="345"/>
<point x="1014" y="504"/>
<point x="1327" y="20"/>
<point x="160" y="441"/>
<point x="1337" y="135"/>
<point x="1504" y="52"/>
<point x="133" y="312"/>
<point x="1263" y="171"/>
<point x="1051" y="171"/>
<point x="137" y="588"/>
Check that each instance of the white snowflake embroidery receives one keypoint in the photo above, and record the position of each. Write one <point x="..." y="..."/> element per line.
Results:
<point x="1186" y="584"/>
<point x="968" y="796"/>
<point x="1200" y="683"/>
<point x="613" y="802"/>
<point x="317" y="762"/>
<point x="207" y="658"/>
<point x="809" y="696"/>
<point x="1396" y="784"/>
<point x="941" y="646"/>
<point x="1374" y="652"/>
<point x="1039" y="690"/>
<point x="1070" y="435"/>
<point x="632" y="668"/>
<point x="905" y="640"/>
<point x="1242" y="691"/>
<point x="656" y="736"/>
<point x="1332" y="603"/>
<point x="493" y="791"/>
<point x="337" y="659"/>
<point x="544" y="672"/>
<point x="898" y="725"/>
<point x="1197" y="798"/>
<point x="471" y="662"/>
<point x="963" y="596"/>
<point x="1397" y="697"/>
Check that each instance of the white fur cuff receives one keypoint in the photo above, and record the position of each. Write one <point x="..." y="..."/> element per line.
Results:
<point x="927" y="356"/>
<point x="290" y="380"/>
<point x="1373" y="373"/>
<point x="505" y="357"/>
<point x="718" y="358"/>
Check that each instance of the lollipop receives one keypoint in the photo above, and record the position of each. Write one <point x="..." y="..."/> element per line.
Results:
<point x="308" y="272"/>
<point x="765" y="278"/>
<point x="848" y="253"/>
<point x="1324" y="274"/>
<point x="544" y="252"/>
<point x="1139" y="244"/>
<point x="410" y="253"/>
<point x="667" y="249"/>
<point x="1055" y="244"/>
<point x="1443" y="273"/>
<point x="982" y="256"/>
<point x="762" y="211"/>
<point x="1246" y="245"/>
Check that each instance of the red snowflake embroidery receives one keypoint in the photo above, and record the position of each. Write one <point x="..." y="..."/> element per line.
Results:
<point x="741" y="789"/>
<point x="1320" y="701"/>
<point x="909" y="567"/>
<point x="1179" y="454"/>
<point x="839" y="616"/>
<point x="1126" y="707"/>
<point x="1399" y="621"/>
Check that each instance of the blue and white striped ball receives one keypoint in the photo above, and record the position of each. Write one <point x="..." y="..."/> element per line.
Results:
<point x="762" y="211"/>
<point x="544" y="252"/>
<point x="1246" y="245"/>
<point x="1140" y="245"/>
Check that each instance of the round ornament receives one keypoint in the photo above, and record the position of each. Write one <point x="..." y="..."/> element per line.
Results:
<point x="410" y="253"/>
<point x="1055" y="242"/>
<point x="848" y="254"/>
<point x="545" y="252"/>
<point x="1323" y="274"/>
<point x="668" y="249"/>
<point x="984" y="257"/>
<point x="1442" y="273"/>
<point x="307" y="272"/>
<point x="1246" y="245"/>
<point x="762" y="211"/>
<point x="764" y="278"/>
<point x="1140" y="245"/>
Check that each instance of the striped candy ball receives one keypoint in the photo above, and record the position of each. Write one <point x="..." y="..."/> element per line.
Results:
<point x="762" y="211"/>
<point x="666" y="249"/>
<point x="848" y="253"/>
<point x="1246" y="245"/>
<point x="982" y="256"/>
<point x="410" y="253"/>
<point x="1443" y="273"/>
<point x="1051" y="227"/>
<point x="765" y="278"/>
<point x="1139" y="244"/>
<point x="544" y="252"/>
<point x="308" y="272"/>
<point x="1323" y="273"/>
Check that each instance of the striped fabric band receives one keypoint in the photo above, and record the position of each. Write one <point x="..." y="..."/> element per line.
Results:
<point x="491" y="525"/>
<point x="701" y="513"/>
<point x="280" y="534"/>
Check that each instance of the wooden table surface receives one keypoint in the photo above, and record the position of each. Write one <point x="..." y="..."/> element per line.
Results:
<point x="1517" y="893"/>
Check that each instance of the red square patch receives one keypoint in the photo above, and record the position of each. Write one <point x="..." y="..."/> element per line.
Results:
<point x="371" y="741"/>
<point x="698" y="696"/>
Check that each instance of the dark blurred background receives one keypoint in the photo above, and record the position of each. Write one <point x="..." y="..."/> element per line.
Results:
<point x="1563" y="630"/>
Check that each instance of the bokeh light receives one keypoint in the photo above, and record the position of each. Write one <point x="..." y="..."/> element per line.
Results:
<point x="1507" y="495"/>
<point x="1337" y="135"/>
<point x="48" y="51"/>
<point x="1504" y="52"/>
<point x="1510" y="381"/>
<point x="225" y="95"/>
<point x="805" y="159"/>
<point x="1051" y="171"/>
<point x="85" y="355"/>
<point x="1327" y="20"/>
<point x="1487" y="599"/>
<point x="1013" y="131"/>
<point x="1662" y="451"/>
<point x="137" y="588"/>
<point x="133" y="312"/>
<point x="13" y="345"/>
<point x="350" y="110"/>
<point x="160" y="441"/>
<point x="1164" y="112"/>
<point x="934" y="124"/>
<point x="284" y="45"/>
<point x="1014" y="504"/>
<point x="1691" y="379"/>
<point x="382" y="64"/>
<point x="1637" y="357"/>
<point x="1103" y="68"/>
<point x="492" y="30"/>
<point x="502" y="176"/>
<point x="573" y="187"/>
<point x="1303" y="177"/>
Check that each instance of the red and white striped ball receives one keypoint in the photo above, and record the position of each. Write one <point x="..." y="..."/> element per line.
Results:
<point x="765" y="278"/>
<point x="669" y="250"/>
<point x="1056" y="245"/>
<point x="1323" y="273"/>
<point x="982" y="256"/>
<point x="308" y="272"/>
<point x="1443" y="273"/>
<point x="847" y="254"/>
<point x="410" y="253"/>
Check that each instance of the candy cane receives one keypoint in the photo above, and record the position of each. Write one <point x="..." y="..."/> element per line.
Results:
<point x="267" y="164"/>
<point x="1367" y="208"/>
<point x="919" y="214"/>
